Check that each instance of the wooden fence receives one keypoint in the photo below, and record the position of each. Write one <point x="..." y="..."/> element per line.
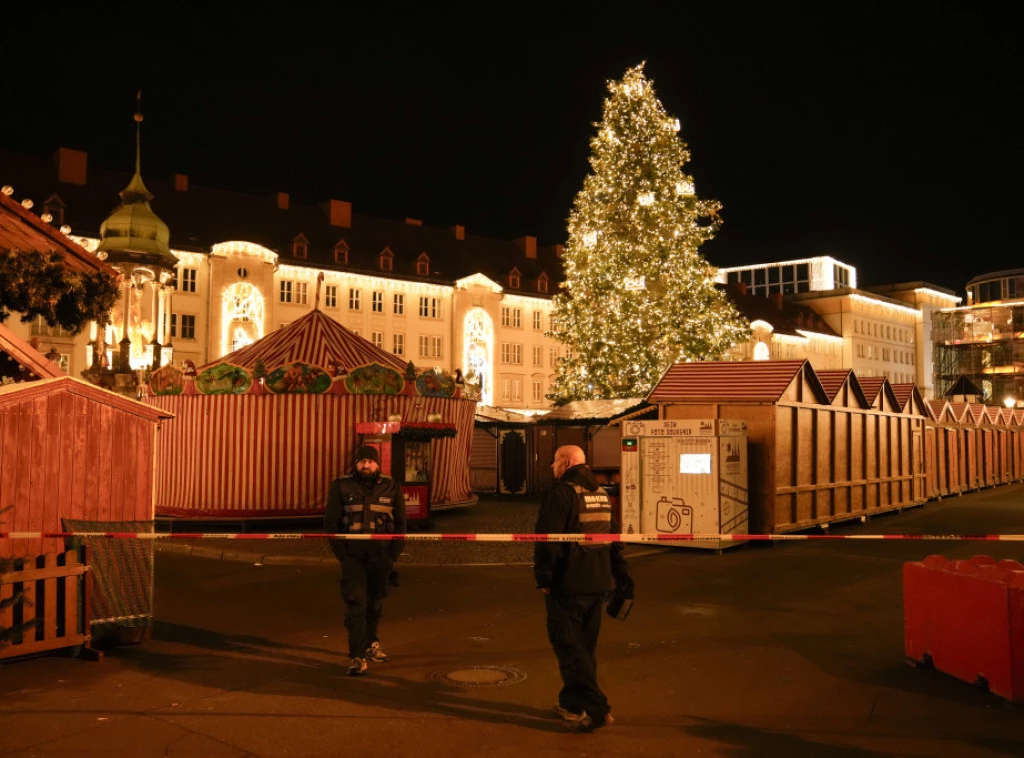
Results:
<point x="55" y="604"/>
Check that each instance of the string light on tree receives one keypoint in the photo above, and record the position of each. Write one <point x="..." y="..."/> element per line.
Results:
<point x="638" y="296"/>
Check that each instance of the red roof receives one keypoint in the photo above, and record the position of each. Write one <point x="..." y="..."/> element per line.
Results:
<point x="18" y="393"/>
<point x="741" y="380"/>
<point x="20" y="229"/>
<point x="903" y="392"/>
<point x="832" y="380"/>
<point x="26" y="355"/>
<point x="316" y="340"/>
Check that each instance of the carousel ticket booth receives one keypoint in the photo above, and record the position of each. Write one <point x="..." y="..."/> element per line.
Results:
<point x="406" y="450"/>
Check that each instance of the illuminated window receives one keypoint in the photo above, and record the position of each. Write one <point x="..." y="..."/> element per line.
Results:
<point x="511" y="316"/>
<point x="537" y="320"/>
<point x="511" y="353"/>
<point x="378" y="302"/>
<point x="538" y="391"/>
<point x="378" y="339"/>
<point x="424" y="346"/>
<point x="435" y="347"/>
<point x="331" y="296"/>
<point x="538" y="355"/>
<point x="398" y="344"/>
<point x="399" y="305"/>
<point x="553" y="353"/>
<point x="353" y="299"/>
<point x="301" y="290"/>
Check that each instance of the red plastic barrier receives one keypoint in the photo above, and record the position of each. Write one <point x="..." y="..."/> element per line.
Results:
<point x="967" y="619"/>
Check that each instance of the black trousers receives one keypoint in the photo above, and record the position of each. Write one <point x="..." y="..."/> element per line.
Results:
<point x="574" y="623"/>
<point x="364" y="585"/>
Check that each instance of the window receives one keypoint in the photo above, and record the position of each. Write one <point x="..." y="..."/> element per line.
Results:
<point x="435" y="347"/>
<point x="514" y="279"/>
<point x="424" y="346"/>
<point x="353" y="299"/>
<point x="554" y="357"/>
<point x="378" y="339"/>
<point x="542" y="283"/>
<point x="538" y="355"/>
<point x="186" y="280"/>
<point x="331" y="296"/>
<point x="429" y="307"/>
<point x="538" y="391"/>
<point x="301" y="290"/>
<point x="537" y="320"/>
<point x="511" y="316"/>
<point x="423" y="265"/>
<point x="188" y="326"/>
<point x="512" y="389"/>
<point x="286" y="291"/>
<point x="378" y="302"/>
<point x="341" y="253"/>
<point x="386" y="259"/>
<point x="399" y="305"/>
<point x="511" y="353"/>
<point x="398" y="344"/>
<point x="300" y="246"/>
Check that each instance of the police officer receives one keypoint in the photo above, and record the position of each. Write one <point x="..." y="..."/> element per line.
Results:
<point x="365" y="502"/>
<point x="575" y="578"/>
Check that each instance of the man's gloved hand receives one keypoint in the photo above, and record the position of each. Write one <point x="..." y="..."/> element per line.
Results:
<point x="393" y="578"/>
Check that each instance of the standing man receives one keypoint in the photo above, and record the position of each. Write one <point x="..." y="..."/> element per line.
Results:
<point x="575" y="577"/>
<point x="365" y="502"/>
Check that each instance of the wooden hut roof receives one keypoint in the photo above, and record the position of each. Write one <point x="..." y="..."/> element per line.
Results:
<point x="875" y="389"/>
<point x="315" y="339"/>
<point x="940" y="410"/>
<point x="963" y="413"/>
<point x="833" y="381"/>
<point x="17" y="393"/>
<point x="25" y="355"/>
<point x="903" y="392"/>
<point x="20" y="229"/>
<point x="595" y="411"/>
<point x="765" y="381"/>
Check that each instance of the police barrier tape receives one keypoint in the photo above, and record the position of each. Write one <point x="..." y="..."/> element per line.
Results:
<point x="428" y="537"/>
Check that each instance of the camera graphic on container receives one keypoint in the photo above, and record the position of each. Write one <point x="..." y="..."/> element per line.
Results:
<point x="673" y="516"/>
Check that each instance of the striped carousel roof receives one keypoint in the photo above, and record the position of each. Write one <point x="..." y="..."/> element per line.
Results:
<point x="316" y="340"/>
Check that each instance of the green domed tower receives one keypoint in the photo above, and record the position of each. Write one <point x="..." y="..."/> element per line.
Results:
<point x="136" y="241"/>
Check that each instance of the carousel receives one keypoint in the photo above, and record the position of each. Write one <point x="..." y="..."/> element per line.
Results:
<point x="264" y="430"/>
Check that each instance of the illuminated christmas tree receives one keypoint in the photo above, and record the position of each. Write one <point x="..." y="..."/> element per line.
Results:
<point x="638" y="296"/>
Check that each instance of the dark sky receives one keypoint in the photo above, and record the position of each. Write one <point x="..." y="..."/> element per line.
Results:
<point x="887" y="137"/>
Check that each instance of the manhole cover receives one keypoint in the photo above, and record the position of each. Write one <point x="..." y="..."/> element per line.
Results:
<point x="479" y="676"/>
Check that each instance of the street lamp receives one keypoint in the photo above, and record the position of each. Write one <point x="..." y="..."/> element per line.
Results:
<point x="1010" y="401"/>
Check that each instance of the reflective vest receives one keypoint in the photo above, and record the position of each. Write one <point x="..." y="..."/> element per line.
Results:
<point x="593" y="515"/>
<point x="370" y="513"/>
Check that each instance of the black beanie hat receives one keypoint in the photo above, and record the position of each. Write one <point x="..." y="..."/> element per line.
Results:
<point x="368" y="452"/>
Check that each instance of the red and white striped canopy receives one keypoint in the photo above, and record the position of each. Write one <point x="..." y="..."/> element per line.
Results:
<point x="316" y="340"/>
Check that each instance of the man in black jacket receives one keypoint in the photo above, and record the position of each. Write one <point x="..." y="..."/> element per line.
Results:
<point x="575" y="578"/>
<point x="365" y="502"/>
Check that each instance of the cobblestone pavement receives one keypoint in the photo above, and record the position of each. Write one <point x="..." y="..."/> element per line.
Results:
<point x="488" y="516"/>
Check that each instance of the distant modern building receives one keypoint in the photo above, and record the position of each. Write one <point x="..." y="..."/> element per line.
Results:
<point x="984" y="341"/>
<point x="216" y="270"/>
<point x="791" y="277"/>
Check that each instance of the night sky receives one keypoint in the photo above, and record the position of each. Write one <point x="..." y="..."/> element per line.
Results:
<point x="889" y="139"/>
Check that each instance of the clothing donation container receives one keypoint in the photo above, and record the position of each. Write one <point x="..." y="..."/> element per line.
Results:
<point x="685" y="477"/>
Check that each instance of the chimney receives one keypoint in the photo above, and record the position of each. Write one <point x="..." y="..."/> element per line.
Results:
<point x="339" y="212"/>
<point x="776" y="297"/>
<point x="413" y="222"/>
<point x="282" y="200"/>
<point x="528" y="245"/>
<point x="460" y="231"/>
<point x="181" y="182"/>
<point x="71" y="165"/>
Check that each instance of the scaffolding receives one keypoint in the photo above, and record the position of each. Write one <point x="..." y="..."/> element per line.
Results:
<point x="985" y="344"/>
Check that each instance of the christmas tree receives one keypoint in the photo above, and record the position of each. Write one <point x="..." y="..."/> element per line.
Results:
<point x="638" y="296"/>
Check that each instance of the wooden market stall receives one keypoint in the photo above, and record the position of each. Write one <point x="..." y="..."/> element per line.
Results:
<point x="812" y="461"/>
<point x="263" y="431"/>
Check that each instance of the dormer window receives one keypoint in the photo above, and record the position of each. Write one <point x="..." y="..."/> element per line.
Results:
<point x="514" y="278"/>
<point x="300" y="246"/>
<point x="54" y="208"/>
<point x="542" y="283"/>
<point x="423" y="265"/>
<point x="341" y="253"/>
<point x="387" y="259"/>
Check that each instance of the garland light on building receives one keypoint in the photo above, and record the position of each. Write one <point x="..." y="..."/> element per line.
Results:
<point x="638" y="296"/>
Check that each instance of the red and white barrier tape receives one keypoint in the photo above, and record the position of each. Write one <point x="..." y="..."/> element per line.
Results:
<point x="427" y="537"/>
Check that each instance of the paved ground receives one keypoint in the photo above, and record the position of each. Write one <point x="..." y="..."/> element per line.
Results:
<point x="790" y="650"/>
